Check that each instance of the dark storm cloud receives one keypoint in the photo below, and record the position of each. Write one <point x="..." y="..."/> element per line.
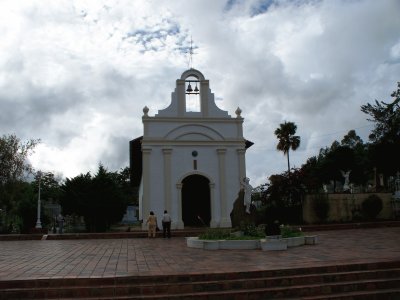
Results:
<point x="77" y="74"/>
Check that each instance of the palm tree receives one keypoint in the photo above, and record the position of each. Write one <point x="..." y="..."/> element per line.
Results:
<point x="287" y="139"/>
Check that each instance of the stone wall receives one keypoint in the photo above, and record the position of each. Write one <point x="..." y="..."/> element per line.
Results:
<point x="345" y="207"/>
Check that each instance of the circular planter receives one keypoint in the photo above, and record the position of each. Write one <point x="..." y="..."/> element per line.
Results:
<point x="267" y="244"/>
<point x="295" y="241"/>
<point x="273" y="244"/>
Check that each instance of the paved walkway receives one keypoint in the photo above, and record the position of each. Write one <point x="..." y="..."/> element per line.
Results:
<point x="142" y="256"/>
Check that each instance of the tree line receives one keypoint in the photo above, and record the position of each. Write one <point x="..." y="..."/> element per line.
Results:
<point x="370" y="164"/>
<point x="101" y="198"/>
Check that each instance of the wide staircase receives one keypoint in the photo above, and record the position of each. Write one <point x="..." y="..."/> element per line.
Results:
<point x="354" y="281"/>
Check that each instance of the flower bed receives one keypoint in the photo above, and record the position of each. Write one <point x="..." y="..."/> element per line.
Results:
<point x="195" y="242"/>
<point x="224" y="239"/>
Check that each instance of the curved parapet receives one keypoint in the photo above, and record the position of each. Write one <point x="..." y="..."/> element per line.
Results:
<point x="191" y="88"/>
<point x="194" y="73"/>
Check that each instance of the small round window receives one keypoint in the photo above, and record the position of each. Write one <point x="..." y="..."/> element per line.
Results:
<point x="194" y="153"/>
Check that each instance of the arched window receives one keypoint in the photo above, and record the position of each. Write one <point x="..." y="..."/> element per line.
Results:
<point x="192" y="88"/>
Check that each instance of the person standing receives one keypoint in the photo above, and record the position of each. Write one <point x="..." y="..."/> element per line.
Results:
<point x="60" y="220"/>
<point x="152" y="224"/>
<point x="166" y="224"/>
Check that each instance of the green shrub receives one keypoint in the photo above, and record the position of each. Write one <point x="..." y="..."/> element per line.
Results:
<point x="288" y="231"/>
<point x="215" y="234"/>
<point x="245" y="237"/>
<point x="251" y="230"/>
<point x="371" y="206"/>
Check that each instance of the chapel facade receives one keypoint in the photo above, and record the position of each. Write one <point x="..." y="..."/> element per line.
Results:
<point x="193" y="157"/>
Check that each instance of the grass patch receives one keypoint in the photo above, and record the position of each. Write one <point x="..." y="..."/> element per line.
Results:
<point x="225" y="234"/>
<point x="288" y="232"/>
<point x="241" y="238"/>
<point x="215" y="234"/>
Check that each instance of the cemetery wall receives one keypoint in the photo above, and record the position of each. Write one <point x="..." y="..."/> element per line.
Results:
<point x="346" y="207"/>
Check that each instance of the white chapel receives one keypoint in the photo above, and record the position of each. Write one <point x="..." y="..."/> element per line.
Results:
<point x="193" y="157"/>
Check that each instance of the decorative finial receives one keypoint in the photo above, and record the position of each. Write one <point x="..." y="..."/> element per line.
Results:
<point x="145" y="111"/>
<point x="238" y="112"/>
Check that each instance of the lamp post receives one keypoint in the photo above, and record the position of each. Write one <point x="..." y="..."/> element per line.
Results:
<point x="38" y="223"/>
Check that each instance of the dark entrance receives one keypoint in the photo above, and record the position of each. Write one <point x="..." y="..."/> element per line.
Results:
<point x="196" y="210"/>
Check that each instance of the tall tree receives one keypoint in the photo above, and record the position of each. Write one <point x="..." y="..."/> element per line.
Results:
<point x="14" y="166"/>
<point x="287" y="139"/>
<point x="284" y="197"/>
<point x="386" y="117"/>
<point x="50" y="189"/>
<point x="13" y="157"/>
<point x="351" y="140"/>
<point x="385" y="137"/>
<point x="97" y="198"/>
<point x="129" y="192"/>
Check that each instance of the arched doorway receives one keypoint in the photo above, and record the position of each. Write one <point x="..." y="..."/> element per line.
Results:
<point x="196" y="206"/>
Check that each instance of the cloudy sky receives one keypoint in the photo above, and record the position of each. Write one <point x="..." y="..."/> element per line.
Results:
<point x="77" y="74"/>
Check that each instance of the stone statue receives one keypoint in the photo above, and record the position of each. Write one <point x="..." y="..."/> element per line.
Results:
<point x="346" y="175"/>
<point x="247" y="188"/>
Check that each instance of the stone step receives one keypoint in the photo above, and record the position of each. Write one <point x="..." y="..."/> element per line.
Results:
<point x="274" y="284"/>
<point x="349" y="269"/>
<point x="352" y="290"/>
<point x="387" y="294"/>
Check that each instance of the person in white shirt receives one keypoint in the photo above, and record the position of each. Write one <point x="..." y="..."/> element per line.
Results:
<point x="166" y="224"/>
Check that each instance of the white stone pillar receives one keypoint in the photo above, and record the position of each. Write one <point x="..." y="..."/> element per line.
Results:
<point x="146" y="185"/>
<point x="242" y="164"/>
<point x="179" y="223"/>
<point x="214" y="217"/>
<point x="224" y="219"/>
<point x="167" y="179"/>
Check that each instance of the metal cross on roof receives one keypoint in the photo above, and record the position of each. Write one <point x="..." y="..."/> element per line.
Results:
<point x="191" y="53"/>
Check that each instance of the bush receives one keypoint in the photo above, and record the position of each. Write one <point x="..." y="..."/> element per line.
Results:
<point x="287" y="231"/>
<point x="273" y="229"/>
<point x="290" y="214"/>
<point x="371" y="206"/>
<point x="250" y="229"/>
<point x="215" y="234"/>
<point x="250" y="232"/>
<point x="321" y="207"/>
